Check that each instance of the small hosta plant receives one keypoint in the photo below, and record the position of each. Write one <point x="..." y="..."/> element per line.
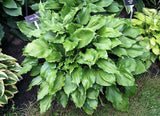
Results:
<point x="8" y="78"/>
<point x="148" y="23"/>
<point x="77" y="61"/>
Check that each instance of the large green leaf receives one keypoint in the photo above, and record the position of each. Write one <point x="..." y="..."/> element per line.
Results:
<point x="36" y="81"/>
<point x="79" y="96"/>
<point x="103" y="43"/>
<point x="77" y="75"/>
<point x="88" y="78"/>
<point x="38" y="48"/>
<point x="131" y="32"/>
<point x="96" y="22"/>
<point x="84" y="36"/>
<point x="26" y="28"/>
<point x="69" y="45"/>
<point x="129" y="63"/>
<point x="102" y="54"/>
<point x="69" y="17"/>
<point x="124" y="77"/>
<point x="119" y="51"/>
<point x="89" y="57"/>
<point x="88" y="109"/>
<point x="109" y="32"/>
<point x="43" y="91"/>
<point x="13" y="12"/>
<point x="62" y="98"/>
<point x="140" y="68"/>
<point x="104" y="3"/>
<point x="9" y="4"/>
<point x="104" y="78"/>
<point x="49" y="72"/>
<point x="27" y="64"/>
<point x="59" y="83"/>
<point x="85" y="12"/>
<point x="107" y="65"/>
<point x="45" y="103"/>
<point x="92" y="93"/>
<point x="93" y="103"/>
<point x="119" y="101"/>
<point x="69" y="87"/>
<point x="126" y="42"/>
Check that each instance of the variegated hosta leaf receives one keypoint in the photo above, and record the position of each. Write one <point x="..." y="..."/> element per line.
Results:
<point x="8" y="78"/>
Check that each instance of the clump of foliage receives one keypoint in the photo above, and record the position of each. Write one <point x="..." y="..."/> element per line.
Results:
<point x="148" y="23"/>
<point x="8" y="78"/>
<point x="77" y="55"/>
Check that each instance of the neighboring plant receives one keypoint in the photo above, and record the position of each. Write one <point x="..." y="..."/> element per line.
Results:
<point x="8" y="78"/>
<point x="148" y="23"/>
<point x="77" y="56"/>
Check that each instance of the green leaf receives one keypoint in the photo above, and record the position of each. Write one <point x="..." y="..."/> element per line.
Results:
<point x="69" y="45"/>
<point x="130" y="90"/>
<point x="104" y="3"/>
<point x="125" y="78"/>
<point x="59" y="83"/>
<point x="43" y="91"/>
<point x="85" y="12"/>
<point x="36" y="81"/>
<point x="27" y="64"/>
<point x="3" y="99"/>
<point x="77" y="75"/>
<point x="88" y="109"/>
<point x="89" y="57"/>
<point x="115" y="42"/>
<point x="93" y="103"/>
<point x="13" y="12"/>
<point x="62" y="98"/>
<point x="49" y="72"/>
<point x="107" y="65"/>
<point x="69" y="87"/>
<point x="79" y="96"/>
<point x="88" y="78"/>
<point x="104" y="78"/>
<point x="119" y="101"/>
<point x="140" y="68"/>
<point x="84" y="36"/>
<point x="102" y="54"/>
<point x="103" y="43"/>
<point x="45" y="103"/>
<point x="109" y="32"/>
<point x="155" y="50"/>
<point x="92" y="93"/>
<point x="69" y="17"/>
<point x="36" y="70"/>
<point x="38" y="48"/>
<point x="135" y="51"/>
<point x="9" y="4"/>
<point x="96" y="9"/>
<point x="26" y="28"/>
<point x="54" y="56"/>
<point x="129" y="63"/>
<point x="96" y="22"/>
<point x="119" y="51"/>
<point x="131" y="32"/>
<point x="126" y="42"/>
<point x="113" y="8"/>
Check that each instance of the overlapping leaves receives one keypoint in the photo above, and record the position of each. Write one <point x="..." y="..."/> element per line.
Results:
<point x="8" y="78"/>
<point x="87" y="57"/>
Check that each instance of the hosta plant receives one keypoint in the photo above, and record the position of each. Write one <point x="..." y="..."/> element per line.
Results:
<point x="76" y="57"/>
<point x="8" y="78"/>
<point x="148" y="23"/>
